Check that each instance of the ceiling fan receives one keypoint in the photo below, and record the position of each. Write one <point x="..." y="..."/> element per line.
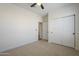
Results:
<point x="40" y="4"/>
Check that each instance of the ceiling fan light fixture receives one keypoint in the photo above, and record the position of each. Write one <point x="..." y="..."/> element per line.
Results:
<point x="38" y="4"/>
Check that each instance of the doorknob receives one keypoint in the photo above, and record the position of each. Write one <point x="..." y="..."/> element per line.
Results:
<point x="73" y="33"/>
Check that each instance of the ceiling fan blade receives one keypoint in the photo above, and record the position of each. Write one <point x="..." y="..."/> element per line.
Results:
<point x="42" y="6"/>
<point x="33" y="4"/>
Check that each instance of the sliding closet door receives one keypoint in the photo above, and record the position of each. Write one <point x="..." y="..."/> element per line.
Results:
<point x="63" y="31"/>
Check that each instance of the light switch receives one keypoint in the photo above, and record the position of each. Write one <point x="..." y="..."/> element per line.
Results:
<point x="35" y="29"/>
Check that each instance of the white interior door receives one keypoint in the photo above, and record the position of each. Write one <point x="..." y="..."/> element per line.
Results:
<point x="62" y="31"/>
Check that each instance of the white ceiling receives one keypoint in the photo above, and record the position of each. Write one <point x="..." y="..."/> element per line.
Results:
<point x="47" y="6"/>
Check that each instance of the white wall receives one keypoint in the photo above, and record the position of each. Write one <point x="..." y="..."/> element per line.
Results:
<point x="61" y="12"/>
<point x="18" y="26"/>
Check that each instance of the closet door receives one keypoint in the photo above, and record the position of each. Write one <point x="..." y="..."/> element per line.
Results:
<point x="63" y="31"/>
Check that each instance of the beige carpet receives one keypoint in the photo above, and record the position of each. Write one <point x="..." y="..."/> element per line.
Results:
<point x="43" y="48"/>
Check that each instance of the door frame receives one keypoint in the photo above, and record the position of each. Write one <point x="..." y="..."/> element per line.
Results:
<point x="74" y="31"/>
<point x="39" y="30"/>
